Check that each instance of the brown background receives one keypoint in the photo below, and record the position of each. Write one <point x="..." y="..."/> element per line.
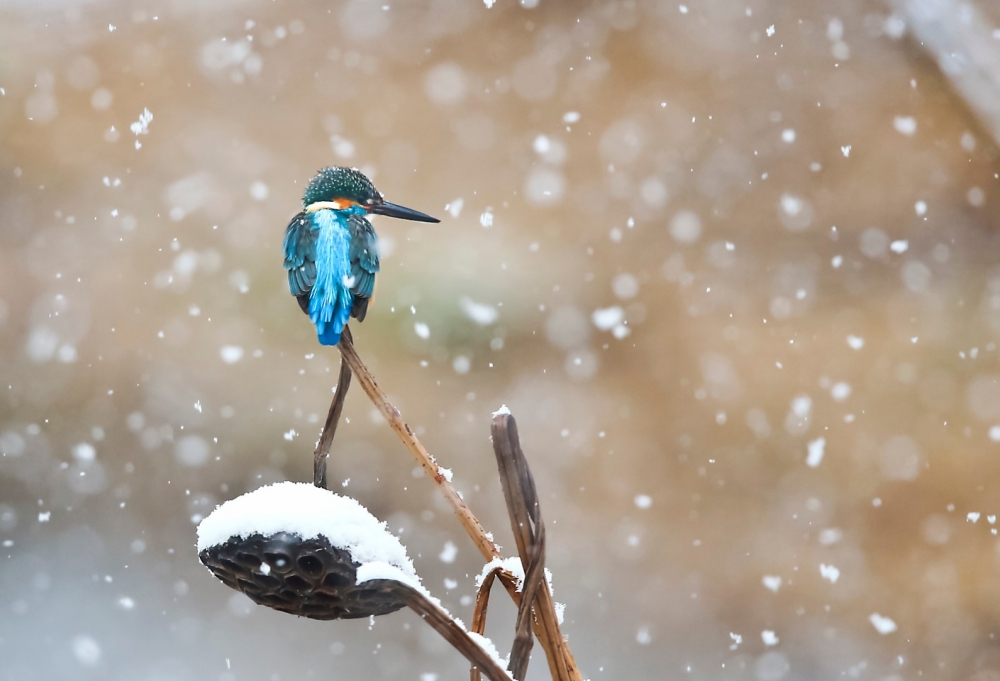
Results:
<point x="127" y="274"/>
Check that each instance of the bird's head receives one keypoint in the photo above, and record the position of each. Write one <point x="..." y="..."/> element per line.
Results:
<point x="347" y="189"/>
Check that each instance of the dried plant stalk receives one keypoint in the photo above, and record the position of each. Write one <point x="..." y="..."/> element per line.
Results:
<point x="451" y="632"/>
<point x="483" y="601"/>
<point x="332" y="420"/>
<point x="520" y="651"/>
<point x="529" y="531"/>
<point x="479" y="612"/>
<point x="562" y="666"/>
<point x="426" y="461"/>
<point x="529" y="534"/>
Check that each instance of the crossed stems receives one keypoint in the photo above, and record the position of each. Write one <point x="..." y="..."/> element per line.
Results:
<point x="525" y="516"/>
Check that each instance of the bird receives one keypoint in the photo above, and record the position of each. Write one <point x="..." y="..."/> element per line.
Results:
<point x="331" y="249"/>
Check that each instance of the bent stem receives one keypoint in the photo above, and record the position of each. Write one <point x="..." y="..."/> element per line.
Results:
<point x="529" y="534"/>
<point x="332" y="420"/>
<point x="451" y="632"/>
<point x="479" y="612"/>
<point x="426" y="461"/>
<point x="545" y="624"/>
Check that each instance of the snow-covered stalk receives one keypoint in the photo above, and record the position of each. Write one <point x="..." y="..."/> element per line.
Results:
<point x="453" y="633"/>
<point x="483" y="602"/>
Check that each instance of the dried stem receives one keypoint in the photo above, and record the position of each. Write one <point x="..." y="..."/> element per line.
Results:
<point x="451" y="632"/>
<point x="479" y="612"/>
<point x="529" y="534"/>
<point x="483" y="601"/>
<point x="332" y="420"/>
<point x="529" y="531"/>
<point x="520" y="651"/>
<point x="562" y="666"/>
<point x="426" y="461"/>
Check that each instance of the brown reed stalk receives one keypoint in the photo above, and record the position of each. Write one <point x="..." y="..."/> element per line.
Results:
<point x="545" y="623"/>
<point x="332" y="420"/>
<point x="526" y="522"/>
<point x="426" y="461"/>
<point x="482" y="604"/>
<point x="529" y="531"/>
<point x="451" y="632"/>
<point x="529" y="534"/>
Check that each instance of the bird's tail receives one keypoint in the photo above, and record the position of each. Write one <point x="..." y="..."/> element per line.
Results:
<point x="331" y="316"/>
<point x="330" y="335"/>
<point x="329" y="331"/>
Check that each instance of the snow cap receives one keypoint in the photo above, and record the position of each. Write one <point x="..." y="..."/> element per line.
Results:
<point x="308" y="512"/>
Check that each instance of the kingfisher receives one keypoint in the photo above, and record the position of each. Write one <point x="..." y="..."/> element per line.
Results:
<point x="331" y="249"/>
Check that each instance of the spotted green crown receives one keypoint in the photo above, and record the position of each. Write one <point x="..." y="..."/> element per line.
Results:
<point x="339" y="183"/>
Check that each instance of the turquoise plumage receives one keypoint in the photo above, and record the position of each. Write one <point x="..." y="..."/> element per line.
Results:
<point x="331" y="249"/>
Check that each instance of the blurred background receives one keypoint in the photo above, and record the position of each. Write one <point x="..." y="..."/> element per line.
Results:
<point x="733" y="267"/>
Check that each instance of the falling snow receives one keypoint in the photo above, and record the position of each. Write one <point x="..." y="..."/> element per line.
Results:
<point x="231" y="354"/>
<point x="817" y="448"/>
<point x="906" y="125"/>
<point x="883" y="625"/>
<point x="141" y="126"/>
<point x="749" y="329"/>
<point x="772" y="582"/>
<point x="481" y="313"/>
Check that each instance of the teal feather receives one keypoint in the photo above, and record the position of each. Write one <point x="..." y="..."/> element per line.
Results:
<point x="330" y="300"/>
<point x="332" y="254"/>
<point x="364" y="256"/>
<point x="332" y="258"/>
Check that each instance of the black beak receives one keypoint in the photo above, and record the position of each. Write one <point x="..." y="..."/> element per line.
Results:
<point x="396" y="211"/>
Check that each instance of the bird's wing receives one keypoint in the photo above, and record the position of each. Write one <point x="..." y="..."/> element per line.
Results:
<point x="300" y="258"/>
<point x="364" y="263"/>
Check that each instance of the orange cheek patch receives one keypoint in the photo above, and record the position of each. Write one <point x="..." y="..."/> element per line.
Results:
<point x="336" y="204"/>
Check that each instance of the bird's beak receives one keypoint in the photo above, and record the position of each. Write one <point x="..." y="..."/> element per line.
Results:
<point x="396" y="211"/>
